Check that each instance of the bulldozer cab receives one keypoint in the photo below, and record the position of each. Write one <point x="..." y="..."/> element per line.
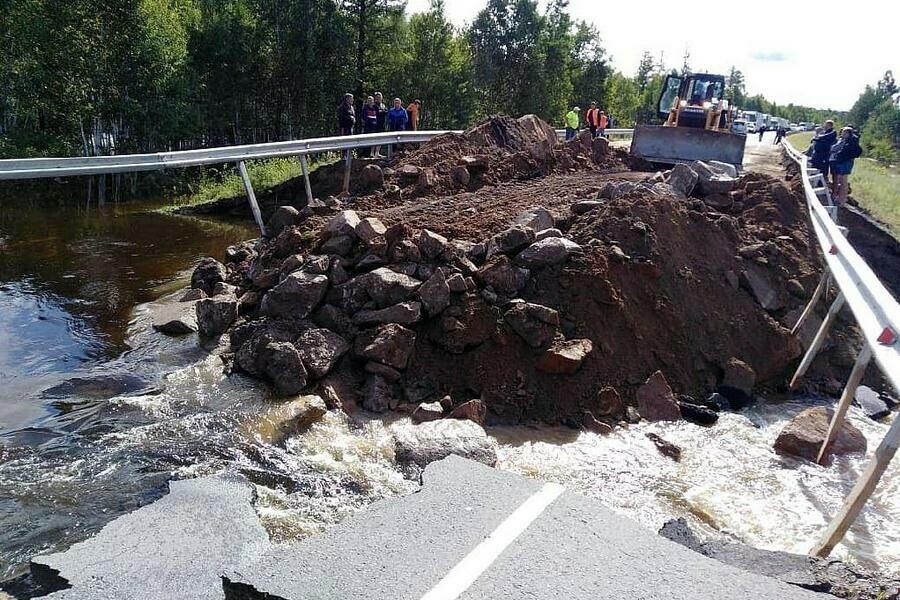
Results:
<point x="697" y="92"/>
<point x="697" y="123"/>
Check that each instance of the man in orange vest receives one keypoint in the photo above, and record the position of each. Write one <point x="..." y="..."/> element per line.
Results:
<point x="592" y="118"/>
<point x="413" y="109"/>
<point x="603" y="122"/>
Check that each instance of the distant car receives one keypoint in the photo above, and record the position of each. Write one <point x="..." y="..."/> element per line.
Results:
<point x="739" y="126"/>
<point x="811" y="127"/>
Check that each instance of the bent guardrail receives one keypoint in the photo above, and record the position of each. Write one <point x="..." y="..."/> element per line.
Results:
<point x="878" y="315"/>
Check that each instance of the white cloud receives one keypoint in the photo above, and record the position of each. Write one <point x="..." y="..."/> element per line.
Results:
<point x="817" y="54"/>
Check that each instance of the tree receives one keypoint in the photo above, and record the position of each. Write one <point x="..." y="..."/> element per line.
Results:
<point x="504" y="40"/>
<point x="371" y="22"/>
<point x="645" y="70"/>
<point x="735" y="90"/>
<point x="589" y="65"/>
<point x="887" y="87"/>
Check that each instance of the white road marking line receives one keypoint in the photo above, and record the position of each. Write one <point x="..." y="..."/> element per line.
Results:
<point x="476" y="562"/>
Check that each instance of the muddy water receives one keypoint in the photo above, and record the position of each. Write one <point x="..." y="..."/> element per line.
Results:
<point x="98" y="412"/>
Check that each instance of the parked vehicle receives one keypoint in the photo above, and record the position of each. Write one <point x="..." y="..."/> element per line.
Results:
<point x="739" y="126"/>
<point x="751" y="118"/>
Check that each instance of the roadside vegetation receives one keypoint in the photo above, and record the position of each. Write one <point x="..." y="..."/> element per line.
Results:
<point x="875" y="185"/>
<point x="218" y="183"/>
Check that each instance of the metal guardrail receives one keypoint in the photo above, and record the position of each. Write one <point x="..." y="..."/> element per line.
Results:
<point x="878" y="315"/>
<point x="42" y="168"/>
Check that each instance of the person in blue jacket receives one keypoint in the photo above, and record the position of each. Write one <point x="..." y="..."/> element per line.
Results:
<point x="821" y="148"/>
<point x="397" y="117"/>
<point x="844" y="151"/>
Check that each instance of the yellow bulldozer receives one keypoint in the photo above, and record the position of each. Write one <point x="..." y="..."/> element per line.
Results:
<point x="697" y="124"/>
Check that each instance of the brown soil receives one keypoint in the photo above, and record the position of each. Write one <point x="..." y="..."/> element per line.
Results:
<point x="662" y="284"/>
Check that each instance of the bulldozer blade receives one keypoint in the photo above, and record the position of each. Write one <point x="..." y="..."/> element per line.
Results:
<point x="684" y="144"/>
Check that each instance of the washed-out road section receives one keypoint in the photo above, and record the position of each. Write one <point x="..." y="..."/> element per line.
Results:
<point x="470" y="532"/>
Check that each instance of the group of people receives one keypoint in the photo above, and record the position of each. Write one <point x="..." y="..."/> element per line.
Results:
<point x="375" y="116"/>
<point x="834" y="153"/>
<point x="595" y="119"/>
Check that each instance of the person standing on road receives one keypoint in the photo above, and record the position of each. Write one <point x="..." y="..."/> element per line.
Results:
<point x="572" y="122"/>
<point x="821" y="151"/>
<point x="413" y="110"/>
<point x="762" y="130"/>
<point x="346" y="115"/>
<point x="604" y="122"/>
<point x="397" y="116"/>
<point x="844" y="151"/>
<point x="779" y="133"/>
<point x="592" y="119"/>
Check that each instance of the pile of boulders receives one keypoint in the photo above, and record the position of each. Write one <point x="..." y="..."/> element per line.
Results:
<point x="363" y="295"/>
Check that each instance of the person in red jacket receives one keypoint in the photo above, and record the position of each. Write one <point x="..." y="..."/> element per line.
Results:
<point x="592" y="118"/>
<point x="601" y="126"/>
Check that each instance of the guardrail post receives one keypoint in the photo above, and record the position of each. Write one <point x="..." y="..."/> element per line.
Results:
<point x="817" y="341"/>
<point x="251" y="196"/>
<point x="860" y="492"/>
<point x="820" y="289"/>
<point x="305" y="166"/>
<point x="348" y="158"/>
<point x="856" y="375"/>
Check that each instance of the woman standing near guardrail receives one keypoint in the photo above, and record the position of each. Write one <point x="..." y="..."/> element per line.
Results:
<point x="843" y="152"/>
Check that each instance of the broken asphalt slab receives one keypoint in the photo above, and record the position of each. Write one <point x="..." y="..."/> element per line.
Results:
<point x="176" y="547"/>
<point x="575" y="548"/>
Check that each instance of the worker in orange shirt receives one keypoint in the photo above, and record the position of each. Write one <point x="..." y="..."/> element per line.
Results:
<point x="601" y="127"/>
<point x="413" y="109"/>
<point x="592" y="118"/>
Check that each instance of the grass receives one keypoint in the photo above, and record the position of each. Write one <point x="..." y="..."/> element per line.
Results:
<point x="218" y="183"/>
<point x="874" y="185"/>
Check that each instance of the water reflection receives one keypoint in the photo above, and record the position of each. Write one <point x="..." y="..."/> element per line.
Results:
<point x="69" y="280"/>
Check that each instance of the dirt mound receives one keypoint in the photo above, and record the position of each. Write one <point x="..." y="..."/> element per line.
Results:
<point x="541" y="315"/>
<point x="496" y="150"/>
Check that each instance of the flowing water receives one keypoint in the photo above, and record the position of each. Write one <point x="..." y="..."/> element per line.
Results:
<point x="98" y="413"/>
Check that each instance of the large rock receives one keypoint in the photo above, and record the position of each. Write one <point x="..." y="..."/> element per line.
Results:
<point x="215" y="315"/>
<point x="871" y="402"/>
<point x="436" y="440"/>
<point x="376" y="394"/>
<point x="207" y="274"/>
<point x="369" y="229"/>
<point x="431" y="244"/>
<point x="609" y="403"/>
<point x="510" y="240"/>
<point x="537" y="219"/>
<point x="405" y="313"/>
<point x="473" y="410"/>
<point x="343" y="223"/>
<point x="547" y="252"/>
<point x="281" y="219"/>
<point x="282" y="364"/>
<point x="683" y="179"/>
<point x="387" y="287"/>
<point x="425" y="412"/>
<point x="536" y="324"/>
<point x="802" y="437"/>
<point x="285" y="419"/>
<point x="373" y="175"/>
<point x="389" y="344"/>
<point x="175" y="318"/>
<point x="296" y="296"/>
<point x="341" y="245"/>
<point x="756" y="283"/>
<point x="435" y="293"/>
<point x="564" y="358"/>
<point x="320" y="349"/>
<point x="503" y="276"/>
<point x="738" y="379"/>
<point x="656" y="402"/>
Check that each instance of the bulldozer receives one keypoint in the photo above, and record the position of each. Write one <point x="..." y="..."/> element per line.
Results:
<point x="697" y="124"/>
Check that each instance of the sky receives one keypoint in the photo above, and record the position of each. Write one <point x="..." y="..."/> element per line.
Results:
<point x="784" y="48"/>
